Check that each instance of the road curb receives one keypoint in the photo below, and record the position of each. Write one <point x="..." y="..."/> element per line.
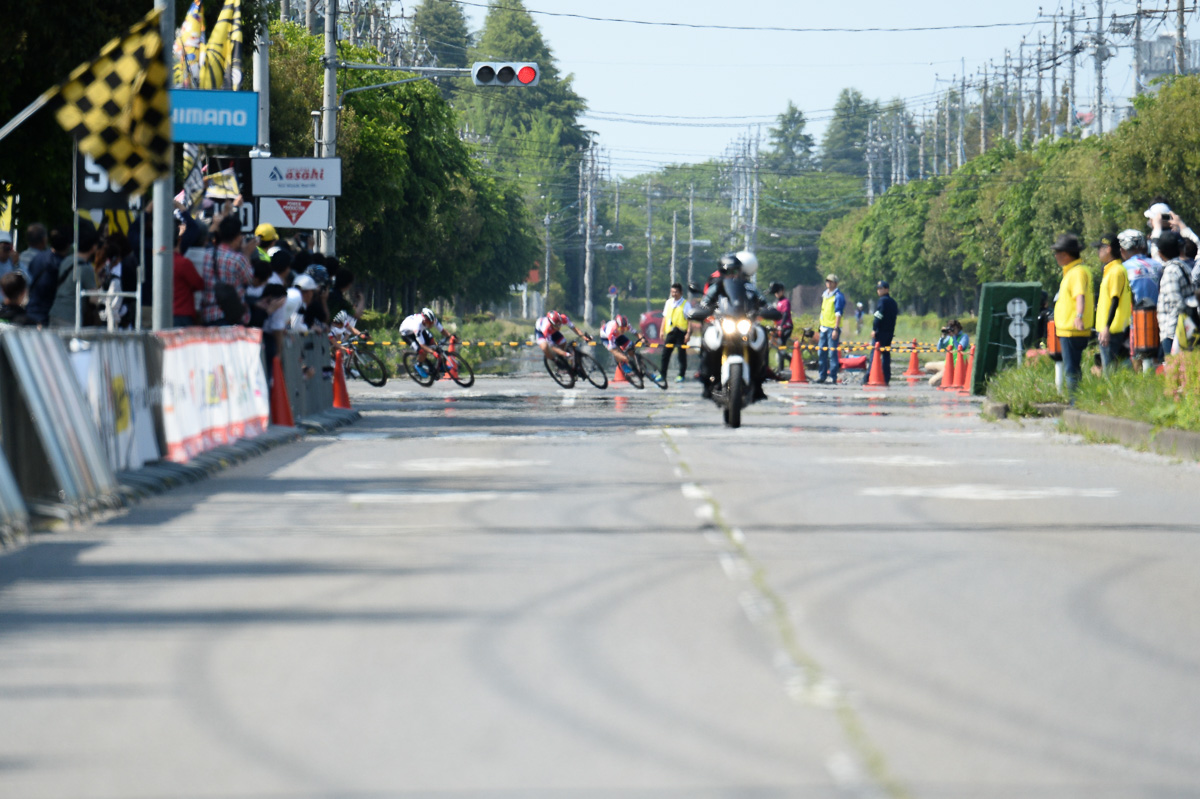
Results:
<point x="1134" y="434"/>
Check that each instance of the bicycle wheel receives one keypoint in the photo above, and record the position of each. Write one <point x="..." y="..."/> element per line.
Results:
<point x="350" y="365"/>
<point x="593" y="371"/>
<point x="563" y="374"/>
<point x="460" y="371"/>
<point x="372" y="368"/>
<point x="410" y="367"/>
<point x="650" y="371"/>
<point x="633" y="375"/>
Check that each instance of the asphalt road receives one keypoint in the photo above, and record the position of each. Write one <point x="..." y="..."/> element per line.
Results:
<point x="519" y="591"/>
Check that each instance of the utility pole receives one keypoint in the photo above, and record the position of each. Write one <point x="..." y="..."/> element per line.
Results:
<point x="870" y="162"/>
<point x="1004" y="101"/>
<point x="937" y="118"/>
<point x="262" y="85"/>
<point x="310" y="17"/>
<point x="354" y="22"/>
<point x="1100" y="53"/>
<point x="330" y="110"/>
<point x="691" y="230"/>
<point x="752" y="234"/>
<point x="1071" y="77"/>
<point x="1054" y="83"/>
<point x="674" y="233"/>
<point x="162" y="241"/>
<point x="921" y="149"/>
<point x="1137" y="50"/>
<point x="962" y="117"/>
<point x="983" y="98"/>
<point x="1180" y="51"/>
<point x="589" y="247"/>
<point x="546" y="279"/>
<point x="1037" y="110"/>
<point x="649" y="241"/>
<point x="285" y="10"/>
<point x="1021" y="95"/>
<point x="617" y="215"/>
<point x="949" y="169"/>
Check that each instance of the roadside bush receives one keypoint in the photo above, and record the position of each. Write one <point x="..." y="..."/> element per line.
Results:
<point x="1023" y="387"/>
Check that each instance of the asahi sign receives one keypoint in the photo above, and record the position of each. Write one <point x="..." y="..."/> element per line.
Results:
<point x="296" y="177"/>
<point x="287" y="212"/>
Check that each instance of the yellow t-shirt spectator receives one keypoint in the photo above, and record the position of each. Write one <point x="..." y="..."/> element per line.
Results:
<point x="1114" y="290"/>
<point x="1076" y="281"/>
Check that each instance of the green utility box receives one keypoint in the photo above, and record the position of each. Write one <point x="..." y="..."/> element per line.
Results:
<point x="995" y="347"/>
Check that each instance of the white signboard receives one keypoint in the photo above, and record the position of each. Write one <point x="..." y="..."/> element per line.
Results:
<point x="294" y="212"/>
<point x="1018" y="330"/>
<point x="296" y="177"/>
<point x="1017" y="308"/>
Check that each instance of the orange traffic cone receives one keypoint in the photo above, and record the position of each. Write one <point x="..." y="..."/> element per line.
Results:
<point x="947" y="370"/>
<point x="967" y="387"/>
<point x="341" y="397"/>
<point x="281" y="408"/>
<point x="619" y="374"/>
<point x="798" y="375"/>
<point x="914" y="366"/>
<point x="960" y="369"/>
<point x="876" y="376"/>
<point x="452" y="372"/>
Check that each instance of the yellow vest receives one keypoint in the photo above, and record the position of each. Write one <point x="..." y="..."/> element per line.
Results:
<point x="828" y="314"/>
<point x="675" y="319"/>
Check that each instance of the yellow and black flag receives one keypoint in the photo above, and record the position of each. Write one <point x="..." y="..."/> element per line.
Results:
<point x="118" y="108"/>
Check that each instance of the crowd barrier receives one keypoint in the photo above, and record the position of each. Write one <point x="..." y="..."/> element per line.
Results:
<point x="47" y="431"/>
<point x="863" y="346"/>
<point x="14" y="518"/>
<point x="307" y="361"/>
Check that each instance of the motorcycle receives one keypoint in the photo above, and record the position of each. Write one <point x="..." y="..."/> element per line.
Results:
<point x="742" y="344"/>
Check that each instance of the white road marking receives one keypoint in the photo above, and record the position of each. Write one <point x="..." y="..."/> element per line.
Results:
<point x="467" y="464"/>
<point x="568" y="399"/>
<point x="705" y="513"/>
<point x="988" y="493"/>
<point x="915" y="461"/>
<point x="693" y="491"/>
<point x="657" y="431"/>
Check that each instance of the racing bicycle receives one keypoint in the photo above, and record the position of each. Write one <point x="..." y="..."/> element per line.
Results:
<point x="446" y="363"/>
<point x="641" y="369"/>
<point x="360" y="361"/>
<point x="579" y="365"/>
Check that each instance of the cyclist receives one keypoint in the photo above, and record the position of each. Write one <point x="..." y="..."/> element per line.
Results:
<point x="550" y="339"/>
<point x="612" y="333"/>
<point x="415" y="332"/>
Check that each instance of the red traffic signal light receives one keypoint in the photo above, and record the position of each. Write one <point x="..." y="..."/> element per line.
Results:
<point x="505" y="73"/>
<point x="614" y="247"/>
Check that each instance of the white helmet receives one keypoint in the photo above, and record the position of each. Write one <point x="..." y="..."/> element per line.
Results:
<point x="749" y="262"/>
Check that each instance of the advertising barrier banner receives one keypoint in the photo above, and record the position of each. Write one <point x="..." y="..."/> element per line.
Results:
<point x="214" y="388"/>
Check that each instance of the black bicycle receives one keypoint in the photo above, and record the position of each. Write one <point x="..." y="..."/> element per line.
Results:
<point x="642" y="369"/>
<point x="361" y="362"/>
<point x="580" y="365"/>
<point x="425" y="373"/>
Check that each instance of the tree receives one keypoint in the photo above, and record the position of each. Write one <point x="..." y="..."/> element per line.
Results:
<point x="790" y="149"/>
<point x="442" y="26"/>
<point x="843" y="148"/>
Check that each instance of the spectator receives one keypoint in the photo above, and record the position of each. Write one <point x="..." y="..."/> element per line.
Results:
<point x="675" y="332"/>
<point x="187" y="282"/>
<point x="9" y="260"/>
<point x="307" y="317"/>
<point x="14" y="288"/>
<point x="833" y="304"/>
<point x="35" y="235"/>
<point x="883" y="329"/>
<point x="268" y="241"/>
<point x="1143" y="271"/>
<point x="1175" y="287"/>
<point x="340" y="298"/>
<point x="226" y="275"/>
<point x="44" y="275"/>
<point x="784" y="306"/>
<point x="1074" y="308"/>
<point x="1115" y="306"/>
<point x="1189" y="260"/>
<point x="858" y="317"/>
<point x="62" y="311"/>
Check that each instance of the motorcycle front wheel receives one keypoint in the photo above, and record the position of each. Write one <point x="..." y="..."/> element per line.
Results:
<point x="733" y="413"/>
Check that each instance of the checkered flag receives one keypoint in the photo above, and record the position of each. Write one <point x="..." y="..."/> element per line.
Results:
<point x="117" y="107"/>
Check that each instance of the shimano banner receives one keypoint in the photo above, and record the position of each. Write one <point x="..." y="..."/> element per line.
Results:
<point x="214" y="117"/>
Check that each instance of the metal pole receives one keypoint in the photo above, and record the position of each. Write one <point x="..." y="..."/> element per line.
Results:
<point x="163" y="240"/>
<point x="1180" y="30"/>
<point x="1054" y="83"/>
<point x="1021" y="95"/>
<point x="983" y="115"/>
<point x="1099" y="66"/>
<point x="1037" y="109"/>
<point x="921" y="151"/>
<point x="674" y="232"/>
<point x="546" y="280"/>
<point x="649" y="242"/>
<point x="1137" y="50"/>
<point x="75" y="223"/>
<point x="962" y="117"/>
<point x="1004" y="101"/>
<point x="262" y="85"/>
<point x="937" y="122"/>
<point x="1071" y="77"/>
<point x="330" y="110"/>
<point x="691" y="230"/>
<point x="752" y="239"/>
<point x="589" y="255"/>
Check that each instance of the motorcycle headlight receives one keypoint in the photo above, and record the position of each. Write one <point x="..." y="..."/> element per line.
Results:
<point x="743" y="326"/>
<point x="728" y="326"/>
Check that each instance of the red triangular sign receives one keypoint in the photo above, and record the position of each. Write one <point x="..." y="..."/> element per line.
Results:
<point x="294" y="209"/>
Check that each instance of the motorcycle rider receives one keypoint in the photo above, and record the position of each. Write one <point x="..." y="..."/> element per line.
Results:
<point x="740" y="266"/>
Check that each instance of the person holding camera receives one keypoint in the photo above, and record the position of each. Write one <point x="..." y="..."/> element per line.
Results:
<point x="952" y="338"/>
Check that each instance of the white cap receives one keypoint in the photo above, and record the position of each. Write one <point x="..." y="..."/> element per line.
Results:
<point x="1158" y="210"/>
<point x="1131" y="239"/>
<point x="305" y="283"/>
<point x="5" y="236"/>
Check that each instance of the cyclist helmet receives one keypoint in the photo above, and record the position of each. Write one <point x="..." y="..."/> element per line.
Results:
<point x="622" y="321"/>
<point x="318" y="273"/>
<point x="729" y="264"/>
<point x="749" y="263"/>
<point x="429" y="315"/>
<point x="557" y="318"/>
<point x="774" y="287"/>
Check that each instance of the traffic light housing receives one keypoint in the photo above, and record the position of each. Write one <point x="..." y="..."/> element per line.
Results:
<point x="614" y="247"/>
<point x="506" y="73"/>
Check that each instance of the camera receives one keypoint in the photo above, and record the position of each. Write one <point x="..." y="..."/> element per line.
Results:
<point x="945" y="331"/>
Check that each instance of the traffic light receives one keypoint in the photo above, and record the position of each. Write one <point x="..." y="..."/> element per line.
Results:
<point x="505" y="73"/>
<point x="614" y="247"/>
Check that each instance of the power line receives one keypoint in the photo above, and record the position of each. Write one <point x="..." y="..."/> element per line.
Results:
<point x="756" y="28"/>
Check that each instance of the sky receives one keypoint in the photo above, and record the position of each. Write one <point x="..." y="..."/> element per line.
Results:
<point x="661" y="94"/>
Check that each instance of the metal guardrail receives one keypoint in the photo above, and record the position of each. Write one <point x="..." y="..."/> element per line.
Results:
<point x="14" y="517"/>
